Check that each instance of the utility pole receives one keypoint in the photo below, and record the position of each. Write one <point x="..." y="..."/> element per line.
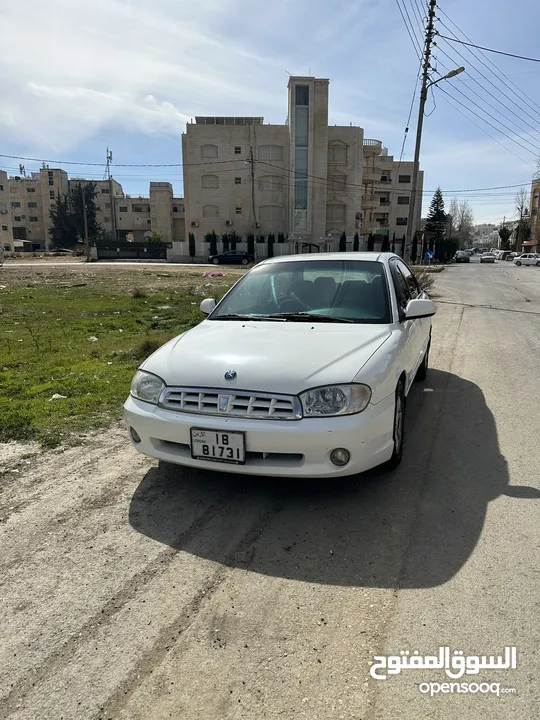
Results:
<point x="85" y="219"/>
<point x="111" y="195"/>
<point x="423" y="97"/>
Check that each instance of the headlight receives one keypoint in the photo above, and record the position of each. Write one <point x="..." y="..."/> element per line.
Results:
<point x="147" y="387"/>
<point x="335" y="400"/>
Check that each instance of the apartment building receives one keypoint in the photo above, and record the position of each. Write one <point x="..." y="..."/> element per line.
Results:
<point x="535" y="211"/>
<point x="25" y="203"/>
<point x="307" y="179"/>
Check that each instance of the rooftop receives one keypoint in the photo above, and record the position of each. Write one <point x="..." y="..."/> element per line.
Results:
<point x="229" y="120"/>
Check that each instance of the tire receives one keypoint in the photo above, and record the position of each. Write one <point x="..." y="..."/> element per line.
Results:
<point x="421" y="373"/>
<point x="538" y="264"/>
<point x="399" y="425"/>
<point x="215" y="261"/>
<point x="518" y="263"/>
<point x="244" y="261"/>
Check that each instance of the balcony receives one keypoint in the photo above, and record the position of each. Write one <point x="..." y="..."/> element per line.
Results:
<point x="369" y="202"/>
<point x="370" y="175"/>
<point x="372" y="147"/>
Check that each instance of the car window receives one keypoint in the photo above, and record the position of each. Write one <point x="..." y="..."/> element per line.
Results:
<point x="403" y="293"/>
<point x="414" y="290"/>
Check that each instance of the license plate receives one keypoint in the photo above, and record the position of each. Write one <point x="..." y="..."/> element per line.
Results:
<point x="218" y="446"/>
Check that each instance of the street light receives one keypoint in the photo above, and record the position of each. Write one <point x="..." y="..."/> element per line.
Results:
<point x="416" y="168"/>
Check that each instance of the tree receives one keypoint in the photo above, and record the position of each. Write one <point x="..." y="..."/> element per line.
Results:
<point x="281" y="238"/>
<point x="394" y="243"/>
<point x="251" y="244"/>
<point x="67" y="216"/>
<point x="436" y="221"/>
<point x="402" y="253"/>
<point x="234" y="240"/>
<point x="192" y="246"/>
<point x="213" y="243"/>
<point x="504" y="235"/>
<point x="452" y="216"/>
<point x="156" y="236"/>
<point x="271" y="240"/>
<point x="225" y="241"/>
<point x="371" y="243"/>
<point x="260" y="239"/>
<point x="343" y="242"/>
<point x="464" y="225"/>
<point x="385" y="245"/>
<point x="63" y="233"/>
<point x="356" y="242"/>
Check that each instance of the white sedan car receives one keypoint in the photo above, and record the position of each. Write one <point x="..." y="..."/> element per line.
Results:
<point x="301" y="370"/>
<point x="487" y="257"/>
<point x="527" y="259"/>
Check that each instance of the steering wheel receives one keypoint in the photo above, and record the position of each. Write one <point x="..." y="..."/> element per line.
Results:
<point x="293" y="297"/>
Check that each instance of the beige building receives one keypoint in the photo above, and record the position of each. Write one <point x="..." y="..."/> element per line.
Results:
<point x="6" y="237"/>
<point x="535" y="211"/>
<point x="306" y="179"/>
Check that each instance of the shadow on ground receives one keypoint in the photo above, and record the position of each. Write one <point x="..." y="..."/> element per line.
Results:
<point x="413" y="528"/>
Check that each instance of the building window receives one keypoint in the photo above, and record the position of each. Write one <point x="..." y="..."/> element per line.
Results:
<point x="50" y="174"/>
<point x="1" y="188"/>
<point x="106" y="218"/>
<point x="4" y="228"/>
<point x="302" y="95"/>
<point x="209" y="151"/>
<point x="148" y="222"/>
<point x="271" y="183"/>
<point x="32" y="205"/>
<point x="51" y="181"/>
<point x="270" y="213"/>
<point x="401" y="221"/>
<point x="175" y="209"/>
<point x="337" y="153"/>
<point x="237" y="180"/>
<point x="15" y="204"/>
<point x="404" y="178"/>
<point x="238" y="210"/>
<point x="31" y="190"/>
<point x="335" y="213"/>
<point x="237" y="150"/>
<point x="338" y="182"/>
<point x="210" y="211"/>
<point x="107" y="206"/>
<point x="270" y="152"/>
<point x="209" y="182"/>
<point x="33" y="218"/>
<point x="105" y="191"/>
<point x="137" y="208"/>
<point x="403" y="200"/>
<point x="123" y="209"/>
<point x="385" y="178"/>
<point x="17" y="218"/>
<point x="51" y="194"/>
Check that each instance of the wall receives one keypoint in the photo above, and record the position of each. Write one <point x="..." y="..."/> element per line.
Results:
<point x="6" y="236"/>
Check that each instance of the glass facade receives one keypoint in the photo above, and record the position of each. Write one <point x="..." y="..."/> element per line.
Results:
<point x="301" y="141"/>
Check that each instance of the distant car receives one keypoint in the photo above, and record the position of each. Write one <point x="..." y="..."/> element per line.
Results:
<point x="462" y="256"/>
<point x="487" y="257"/>
<point x="469" y="252"/>
<point x="527" y="259"/>
<point x="504" y="255"/>
<point x="232" y="257"/>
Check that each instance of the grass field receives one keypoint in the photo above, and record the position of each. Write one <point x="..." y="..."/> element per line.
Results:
<point x="46" y="322"/>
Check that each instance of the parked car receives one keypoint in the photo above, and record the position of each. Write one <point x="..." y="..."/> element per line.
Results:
<point x="487" y="257"/>
<point x="503" y="254"/>
<point x="301" y="370"/>
<point x="527" y="259"/>
<point x="232" y="257"/>
<point x="462" y="256"/>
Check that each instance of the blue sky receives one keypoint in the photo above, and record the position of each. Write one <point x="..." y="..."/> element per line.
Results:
<point x="78" y="77"/>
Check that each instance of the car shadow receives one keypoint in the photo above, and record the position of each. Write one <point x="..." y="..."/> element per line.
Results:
<point x="413" y="528"/>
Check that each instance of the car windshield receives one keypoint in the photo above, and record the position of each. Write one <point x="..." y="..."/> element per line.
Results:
<point x="333" y="290"/>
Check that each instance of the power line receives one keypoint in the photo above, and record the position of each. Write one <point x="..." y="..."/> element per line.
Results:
<point x="412" y="36"/>
<point x="100" y="164"/>
<point x="498" y="52"/>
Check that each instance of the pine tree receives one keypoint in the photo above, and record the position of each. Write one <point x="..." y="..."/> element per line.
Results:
<point x="343" y="243"/>
<point x="356" y="242"/>
<point x="436" y="220"/>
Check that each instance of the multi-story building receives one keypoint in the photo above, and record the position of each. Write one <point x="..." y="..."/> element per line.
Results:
<point x="6" y="238"/>
<point x="535" y="211"/>
<point x="307" y="179"/>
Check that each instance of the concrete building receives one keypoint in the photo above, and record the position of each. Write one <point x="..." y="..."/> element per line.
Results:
<point x="535" y="211"/>
<point x="306" y="179"/>
<point x="6" y="237"/>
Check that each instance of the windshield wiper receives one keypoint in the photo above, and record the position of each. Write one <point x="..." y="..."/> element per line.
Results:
<point x="245" y="316"/>
<point x="314" y="317"/>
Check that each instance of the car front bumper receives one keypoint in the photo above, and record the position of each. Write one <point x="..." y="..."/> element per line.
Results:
<point x="295" y="448"/>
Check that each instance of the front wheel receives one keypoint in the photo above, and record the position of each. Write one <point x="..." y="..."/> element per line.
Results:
<point x="244" y="261"/>
<point x="399" y="426"/>
<point x="538" y="264"/>
<point x="518" y="263"/>
<point x="215" y="261"/>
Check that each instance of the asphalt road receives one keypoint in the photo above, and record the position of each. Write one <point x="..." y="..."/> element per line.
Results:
<point x="134" y="591"/>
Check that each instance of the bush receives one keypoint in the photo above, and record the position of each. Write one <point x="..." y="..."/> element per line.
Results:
<point x="138" y="293"/>
<point x="148" y="346"/>
<point x="425" y="278"/>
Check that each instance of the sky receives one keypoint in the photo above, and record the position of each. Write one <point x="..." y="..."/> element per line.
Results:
<point x="78" y="77"/>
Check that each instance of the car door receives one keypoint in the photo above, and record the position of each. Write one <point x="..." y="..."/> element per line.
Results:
<point x="408" y="328"/>
<point x="422" y="326"/>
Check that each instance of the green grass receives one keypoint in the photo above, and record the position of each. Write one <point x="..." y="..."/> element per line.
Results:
<point x="45" y="349"/>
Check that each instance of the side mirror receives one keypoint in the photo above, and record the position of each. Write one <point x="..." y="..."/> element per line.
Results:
<point x="420" y="308"/>
<point x="207" y="306"/>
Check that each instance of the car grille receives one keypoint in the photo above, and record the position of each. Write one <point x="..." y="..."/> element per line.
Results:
<point x="202" y="401"/>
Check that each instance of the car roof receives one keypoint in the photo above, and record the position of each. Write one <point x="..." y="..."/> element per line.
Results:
<point x="350" y="256"/>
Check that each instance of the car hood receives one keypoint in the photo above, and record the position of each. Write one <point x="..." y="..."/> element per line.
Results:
<point x="278" y="357"/>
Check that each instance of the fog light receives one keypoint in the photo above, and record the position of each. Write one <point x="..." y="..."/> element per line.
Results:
<point x="134" y="435"/>
<point x="340" y="456"/>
